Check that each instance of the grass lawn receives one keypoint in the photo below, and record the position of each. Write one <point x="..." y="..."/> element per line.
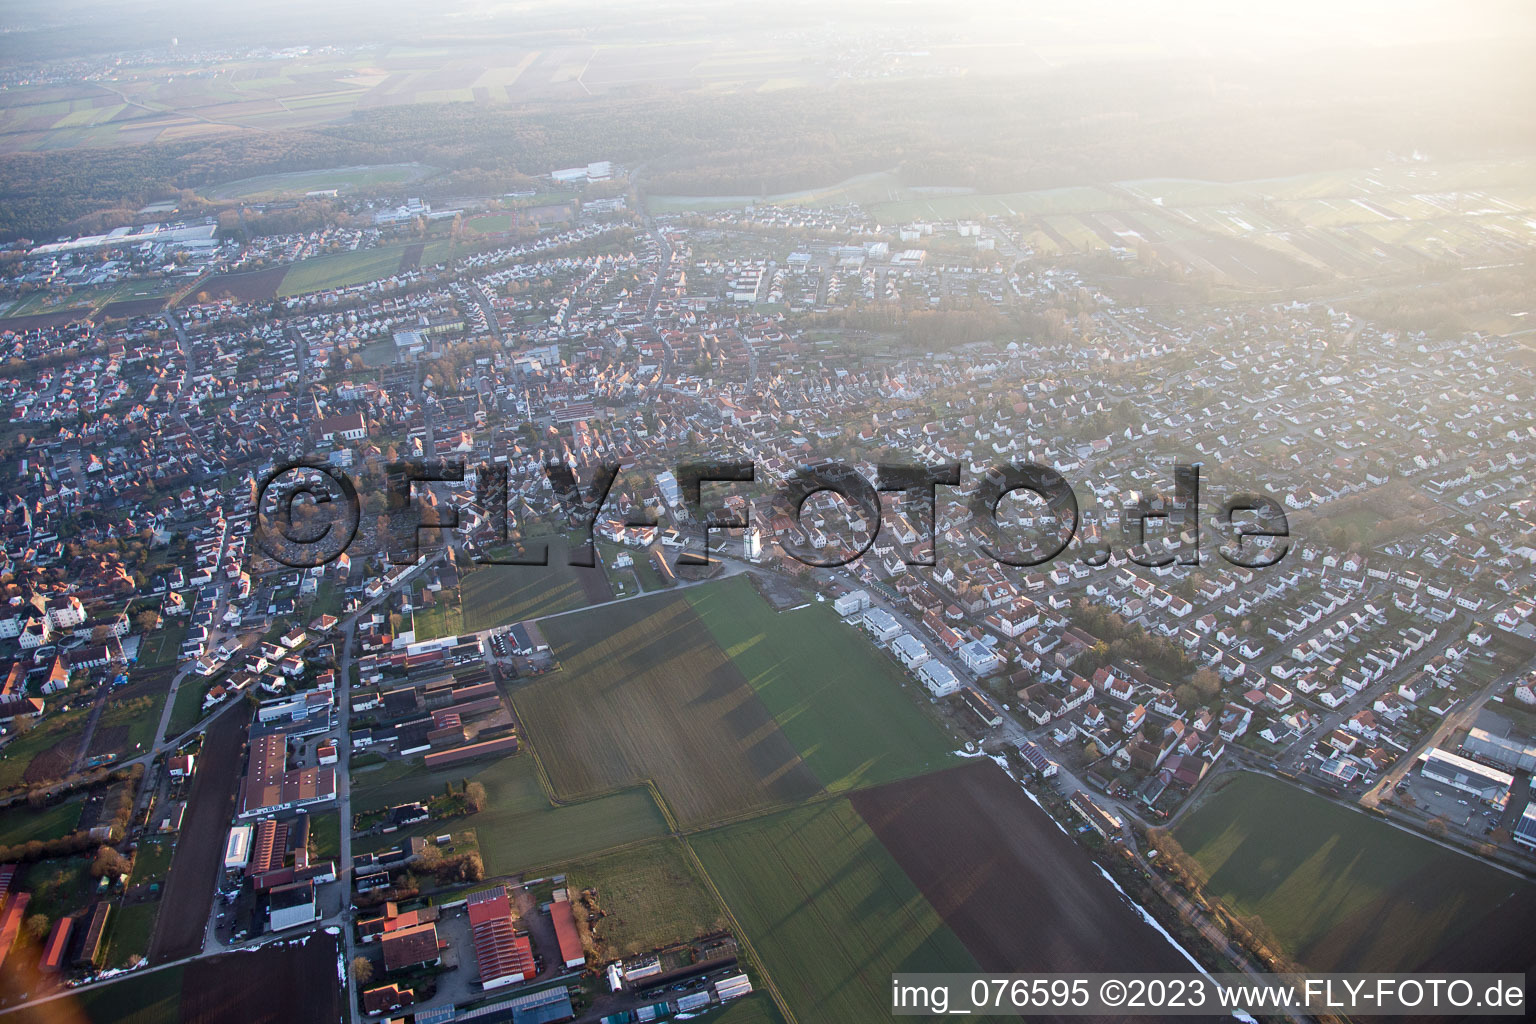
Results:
<point x="652" y="895"/>
<point x="498" y="595"/>
<point x="152" y="862"/>
<point x="325" y="835"/>
<point x="129" y="932"/>
<point x="339" y="270"/>
<point x="1342" y="891"/>
<point x="189" y="705"/>
<point x="443" y="618"/>
<point x="827" y="909"/>
<point x="520" y="829"/>
<point x="19" y="752"/>
<point x="327" y="599"/>
<point x="847" y="709"/>
<point x="139" y="715"/>
<point x="20" y="823"/>
<point x="59" y="886"/>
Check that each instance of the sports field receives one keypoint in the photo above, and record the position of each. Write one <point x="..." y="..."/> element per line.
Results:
<point x="489" y="223"/>
<point x="827" y="909"/>
<point x="295" y="184"/>
<point x="651" y="896"/>
<point x="727" y="706"/>
<point x="519" y="829"/>
<point x="340" y="270"/>
<point x="1346" y="892"/>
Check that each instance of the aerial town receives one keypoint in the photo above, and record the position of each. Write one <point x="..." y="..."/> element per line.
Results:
<point x="397" y="588"/>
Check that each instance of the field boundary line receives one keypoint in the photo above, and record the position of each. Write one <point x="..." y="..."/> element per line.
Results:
<point x="741" y="934"/>
<point x="666" y="811"/>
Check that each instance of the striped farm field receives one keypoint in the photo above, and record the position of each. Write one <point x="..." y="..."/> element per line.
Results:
<point x="1343" y="891"/>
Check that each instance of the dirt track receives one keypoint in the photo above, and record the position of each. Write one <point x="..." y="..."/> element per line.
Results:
<point x="184" y="908"/>
<point x="1019" y="894"/>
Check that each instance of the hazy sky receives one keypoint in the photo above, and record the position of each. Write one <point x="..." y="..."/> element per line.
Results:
<point x="1232" y="27"/>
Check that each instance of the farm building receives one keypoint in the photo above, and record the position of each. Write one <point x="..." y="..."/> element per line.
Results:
<point x="10" y="921"/>
<point x="57" y="944"/>
<point x="503" y="956"/>
<point x="1098" y="819"/>
<point x="1487" y="784"/>
<point x="1492" y="736"/>
<point x="546" y="1007"/>
<point x="1525" y="828"/>
<point x="411" y="947"/>
<point x="566" y="933"/>
<point x="95" y="931"/>
<point x="981" y="706"/>
<point x="525" y="639"/>
<point x="733" y="987"/>
<point x="237" y="849"/>
<point x="293" y="905"/>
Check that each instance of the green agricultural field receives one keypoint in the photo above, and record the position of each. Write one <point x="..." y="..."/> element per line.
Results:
<point x="756" y="1008"/>
<point x="848" y="710"/>
<point x="727" y="706"/>
<point x="20" y="823"/>
<point x="499" y="595"/>
<point x="827" y="910"/>
<point x="652" y="896"/>
<point x="340" y="270"/>
<point x="128" y="725"/>
<point x="153" y="998"/>
<point x="1343" y="891"/>
<point x="520" y="829"/>
<point x="645" y="695"/>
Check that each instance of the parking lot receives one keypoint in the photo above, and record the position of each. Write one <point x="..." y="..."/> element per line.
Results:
<point x="1460" y="811"/>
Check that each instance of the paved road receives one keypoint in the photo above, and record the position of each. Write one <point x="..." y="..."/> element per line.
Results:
<point x="1448" y="726"/>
